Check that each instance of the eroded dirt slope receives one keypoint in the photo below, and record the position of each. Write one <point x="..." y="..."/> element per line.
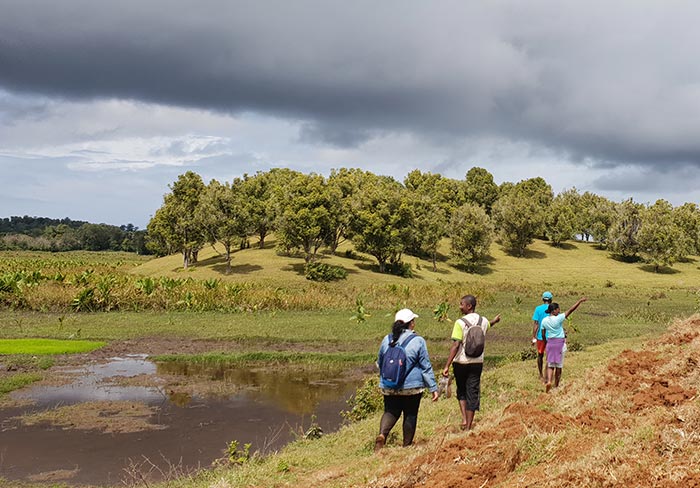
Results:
<point x="633" y="423"/>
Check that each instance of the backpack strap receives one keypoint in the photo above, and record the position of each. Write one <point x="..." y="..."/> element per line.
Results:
<point x="404" y="344"/>
<point x="468" y="325"/>
<point x="408" y="339"/>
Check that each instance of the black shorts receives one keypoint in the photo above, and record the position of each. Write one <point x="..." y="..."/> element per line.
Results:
<point x="468" y="381"/>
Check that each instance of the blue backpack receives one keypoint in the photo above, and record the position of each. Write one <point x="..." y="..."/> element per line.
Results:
<point x="394" y="368"/>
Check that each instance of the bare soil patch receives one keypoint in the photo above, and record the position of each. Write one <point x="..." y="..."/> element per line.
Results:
<point x="648" y="437"/>
<point x="118" y="417"/>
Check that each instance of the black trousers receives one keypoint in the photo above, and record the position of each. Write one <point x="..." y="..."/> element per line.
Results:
<point x="394" y="406"/>
<point x="468" y="381"/>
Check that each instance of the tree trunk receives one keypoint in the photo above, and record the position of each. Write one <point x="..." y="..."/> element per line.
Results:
<point x="228" y="257"/>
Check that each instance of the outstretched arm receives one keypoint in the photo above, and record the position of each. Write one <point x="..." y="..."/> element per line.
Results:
<point x="497" y="319"/>
<point x="575" y="306"/>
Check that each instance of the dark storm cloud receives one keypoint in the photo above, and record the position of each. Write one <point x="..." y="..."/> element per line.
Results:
<point x="612" y="83"/>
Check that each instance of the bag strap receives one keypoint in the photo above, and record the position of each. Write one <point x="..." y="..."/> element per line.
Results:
<point x="408" y="339"/>
<point x="469" y="325"/>
<point x="404" y="344"/>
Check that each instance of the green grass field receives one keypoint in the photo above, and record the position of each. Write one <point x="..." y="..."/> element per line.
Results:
<point x="627" y="302"/>
<point x="625" y="299"/>
<point x="46" y="346"/>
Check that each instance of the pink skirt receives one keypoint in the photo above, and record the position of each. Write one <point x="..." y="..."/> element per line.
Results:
<point x="555" y="349"/>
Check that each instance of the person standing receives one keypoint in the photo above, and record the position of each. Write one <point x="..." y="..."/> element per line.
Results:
<point x="467" y="369"/>
<point x="538" y="340"/>
<point x="405" y="399"/>
<point x="553" y="326"/>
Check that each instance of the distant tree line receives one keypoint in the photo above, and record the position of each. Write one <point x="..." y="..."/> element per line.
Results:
<point x="388" y="219"/>
<point x="45" y="234"/>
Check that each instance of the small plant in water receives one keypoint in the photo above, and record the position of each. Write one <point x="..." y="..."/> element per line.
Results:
<point x="314" y="431"/>
<point x="236" y="455"/>
<point x="367" y="400"/>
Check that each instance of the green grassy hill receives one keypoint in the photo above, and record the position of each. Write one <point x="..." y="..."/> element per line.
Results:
<point x="543" y="265"/>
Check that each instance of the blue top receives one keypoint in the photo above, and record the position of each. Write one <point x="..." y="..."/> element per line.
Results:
<point x="421" y="374"/>
<point x="554" y="325"/>
<point x="538" y="315"/>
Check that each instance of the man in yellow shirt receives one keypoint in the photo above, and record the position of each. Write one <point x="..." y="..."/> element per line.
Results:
<point x="467" y="369"/>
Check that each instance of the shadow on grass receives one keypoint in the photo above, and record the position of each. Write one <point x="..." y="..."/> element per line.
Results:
<point x="212" y="260"/>
<point x="429" y="269"/>
<point x="481" y="269"/>
<point x="236" y="268"/>
<point x="625" y="259"/>
<point x="663" y="270"/>
<point x="374" y="268"/>
<point x="687" y="259"/>
<point x="566" y="246"/>
<point x="528" y="254"/>
<point x="298" y="268"/>
<point x="352" y="256"/>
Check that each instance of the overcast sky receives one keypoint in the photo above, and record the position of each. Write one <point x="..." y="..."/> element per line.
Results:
<point x="104" y="104"/>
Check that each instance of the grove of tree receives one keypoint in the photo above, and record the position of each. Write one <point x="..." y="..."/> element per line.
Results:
<point x="388" y="219"/>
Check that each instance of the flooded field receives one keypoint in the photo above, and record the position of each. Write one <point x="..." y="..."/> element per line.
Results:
<point x="129" y="419"/>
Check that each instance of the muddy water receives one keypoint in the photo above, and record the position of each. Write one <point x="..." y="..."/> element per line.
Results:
<point x="268" y="410"/>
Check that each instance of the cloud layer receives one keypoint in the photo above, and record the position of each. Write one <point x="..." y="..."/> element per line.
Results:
<point x="614" y="82"/>
<point x="592" y="89"/>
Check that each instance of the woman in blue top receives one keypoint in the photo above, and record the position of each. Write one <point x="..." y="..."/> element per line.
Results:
<point x="406" y="398"/>
<point x="553" y="325"/>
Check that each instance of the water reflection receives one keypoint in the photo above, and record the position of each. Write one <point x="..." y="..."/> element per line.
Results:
<point x="267" y="408"/>
<point x="296" y="391"/>
<point x="93" y="384"/>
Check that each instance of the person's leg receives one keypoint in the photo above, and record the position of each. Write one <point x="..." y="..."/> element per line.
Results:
<point x="410" y="417"/>
<point x="541" y="347"/>
<point x="460" y="372"/>
<point x="548" y="385"/>
<point x="465" y="413"/>
<point x="470" y="419"/>
<point x="473" y="400"/>
<point x="557" y="376"/>
<point x="392" y="412"/>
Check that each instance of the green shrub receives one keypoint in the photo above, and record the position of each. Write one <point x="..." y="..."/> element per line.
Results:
<point x="324" y="272"/>
<point x="85" y="301"/>
<point x="404" y="270"/>
<point x="366" y="400"/>
<point x="524" y="354"/>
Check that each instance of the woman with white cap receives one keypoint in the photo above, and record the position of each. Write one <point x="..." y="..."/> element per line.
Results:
<point x="404" y="397"/>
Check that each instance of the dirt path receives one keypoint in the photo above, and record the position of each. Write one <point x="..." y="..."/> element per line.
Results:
<point x="636" y="424"/>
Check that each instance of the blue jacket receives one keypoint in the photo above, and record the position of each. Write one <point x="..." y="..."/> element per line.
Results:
<point x="421" y="374"/>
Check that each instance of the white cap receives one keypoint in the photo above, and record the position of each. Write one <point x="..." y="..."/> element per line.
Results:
<point x="405" y="315"/>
